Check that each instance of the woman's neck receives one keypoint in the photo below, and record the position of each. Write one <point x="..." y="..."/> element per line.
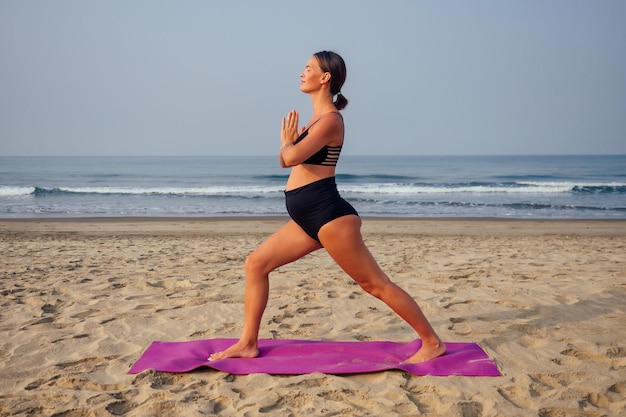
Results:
<point x="322" y="103"/>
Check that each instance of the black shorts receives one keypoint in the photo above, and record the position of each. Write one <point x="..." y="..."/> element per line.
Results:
<point x="313" y="205"/>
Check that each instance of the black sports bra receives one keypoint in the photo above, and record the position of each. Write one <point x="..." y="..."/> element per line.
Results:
<point x="327" y="156"/>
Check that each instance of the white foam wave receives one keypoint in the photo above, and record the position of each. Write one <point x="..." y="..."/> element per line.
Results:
<point x="526" y="187"/>
<point x="192" y="191"/>
<point x="408" y="189"/>
<point x="9" y="191"/>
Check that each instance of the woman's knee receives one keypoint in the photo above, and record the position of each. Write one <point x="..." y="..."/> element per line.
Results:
<point x="375" y="287"/>
<point x="255" y="265"/>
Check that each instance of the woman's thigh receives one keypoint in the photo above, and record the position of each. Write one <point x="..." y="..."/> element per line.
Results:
<point x="343" y="241"/>
<point x="286" y="245"/>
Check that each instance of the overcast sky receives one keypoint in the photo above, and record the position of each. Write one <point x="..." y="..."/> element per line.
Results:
<point x="151" y="77"/>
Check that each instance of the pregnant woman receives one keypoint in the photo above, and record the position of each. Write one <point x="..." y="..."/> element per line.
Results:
<point x="320" y="217"/>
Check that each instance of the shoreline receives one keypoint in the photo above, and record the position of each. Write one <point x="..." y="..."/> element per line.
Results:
<point x="383" y="225"/>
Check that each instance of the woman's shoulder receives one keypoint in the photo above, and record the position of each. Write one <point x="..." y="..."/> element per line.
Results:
<point x="333" y="118"/>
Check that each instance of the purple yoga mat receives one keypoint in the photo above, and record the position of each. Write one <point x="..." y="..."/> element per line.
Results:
<point x="291" y="357"/>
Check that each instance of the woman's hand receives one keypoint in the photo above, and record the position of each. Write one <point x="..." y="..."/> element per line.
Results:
<point x="289" y="130"/>
<point x="289" y="135"/>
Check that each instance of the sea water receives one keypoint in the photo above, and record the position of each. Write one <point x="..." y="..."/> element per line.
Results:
<point x="538" y="187"/>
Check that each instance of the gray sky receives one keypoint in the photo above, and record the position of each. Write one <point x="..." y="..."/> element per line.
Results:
<point x="215" y="78"/>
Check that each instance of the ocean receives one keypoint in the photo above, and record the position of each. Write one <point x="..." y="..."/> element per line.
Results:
<point x="520" y="187"/>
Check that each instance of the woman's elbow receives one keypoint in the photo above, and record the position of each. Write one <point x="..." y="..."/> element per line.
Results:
<point x="288" y="160"/>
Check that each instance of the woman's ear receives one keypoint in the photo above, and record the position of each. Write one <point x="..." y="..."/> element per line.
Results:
<point x="326" y="77"/>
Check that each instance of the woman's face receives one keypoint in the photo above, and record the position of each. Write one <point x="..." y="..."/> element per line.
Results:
<point x="312" y="77"/>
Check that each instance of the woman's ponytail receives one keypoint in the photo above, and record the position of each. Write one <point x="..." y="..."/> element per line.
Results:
<point x="341" y="101"/>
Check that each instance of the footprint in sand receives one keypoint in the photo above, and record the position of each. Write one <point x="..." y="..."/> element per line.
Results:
<point x="616" y="352"/>
<point x="460" y="326"/>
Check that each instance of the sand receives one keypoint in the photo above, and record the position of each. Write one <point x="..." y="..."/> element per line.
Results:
<point x="82" y="299"/>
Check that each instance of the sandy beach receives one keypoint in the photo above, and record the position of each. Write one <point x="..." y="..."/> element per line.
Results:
<point x="83" y="298"/>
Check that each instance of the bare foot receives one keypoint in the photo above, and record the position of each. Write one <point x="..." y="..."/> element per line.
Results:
<point x="428" y="352"/>
<point x="238" y="350"/>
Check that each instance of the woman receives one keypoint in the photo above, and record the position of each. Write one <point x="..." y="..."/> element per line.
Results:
<point x="320" y="218"/>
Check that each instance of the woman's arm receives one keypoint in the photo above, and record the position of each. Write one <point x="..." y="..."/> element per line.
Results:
<point x="288" y="134"/>
<point x="328" y="130"/>
<point x="281" y="160"/>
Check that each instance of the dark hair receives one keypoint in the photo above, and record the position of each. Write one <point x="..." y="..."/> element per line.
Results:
<point x="332" y="62"/>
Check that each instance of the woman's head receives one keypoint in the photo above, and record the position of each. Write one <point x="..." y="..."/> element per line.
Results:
<point x="333" y="63"/>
